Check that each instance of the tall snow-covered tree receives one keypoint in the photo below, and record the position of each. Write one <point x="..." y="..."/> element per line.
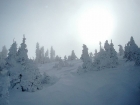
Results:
<point x="13" y="66"/>
<point x="29" y="77"/>
<point x="113" y="56"/>
<point x="38" y="54"/>
<point x="52" y="54"/>
<point x="87" y="63"/>
<point x="42" y="55"/>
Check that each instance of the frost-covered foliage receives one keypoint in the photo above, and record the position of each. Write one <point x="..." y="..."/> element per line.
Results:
<point x="57" y="58"/>
<point x="40" y="56"/>
<point x="23" y="72"/>
<point x="113" y="56"/>
<point x="62" y="63"/>
<point x="45" y="78"/>
<point x="137" y="59"/>
<point x="132" y="52"/>
<point x="4" y="52"/>
<point x="105" y="58"/>
<point x="52" y="54"/>
<point x="121" y="51"/>
<point x="87" y="63"/>
<point x="4" y="84"/>
<point x="47" y="59"/>
<point x="65" y="58"/>
<point x="73" y="56"/>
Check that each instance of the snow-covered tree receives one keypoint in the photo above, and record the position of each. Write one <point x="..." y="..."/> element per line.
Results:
<point x="137" y="58"/>
<point x="12" y="66"/>
<point x="42" y="55"/>
<point x="38" y="54"/>
<point x="12" y="56"/>
<point x="87" y="63"/>
<point x="4" y="52"/>
<point x="52" y="54"/>
<point x="69" y="57"/>
<point x="29" y="77"/>
<point x="121" y="51"/>
<point x="101" y="59"/>
<point x="106" y="46"/>
<point x="47" y="56"/>
<point x="4" y="85"/>
<point x="131" y="50"/>
<point x="65" y="58"/>
<point x="113" y="56"/>
<point x="73" y="56"/>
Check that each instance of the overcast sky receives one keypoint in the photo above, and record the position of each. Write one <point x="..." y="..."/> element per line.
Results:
<point x="53" y="23"/>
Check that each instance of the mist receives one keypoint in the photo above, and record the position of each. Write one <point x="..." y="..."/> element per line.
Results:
<point x="53" y="23"/>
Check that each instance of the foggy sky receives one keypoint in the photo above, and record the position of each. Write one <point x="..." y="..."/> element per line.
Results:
<point x="52" y="23"/>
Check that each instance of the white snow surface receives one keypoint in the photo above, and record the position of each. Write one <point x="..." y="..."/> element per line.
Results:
<point x="116" y="86"/>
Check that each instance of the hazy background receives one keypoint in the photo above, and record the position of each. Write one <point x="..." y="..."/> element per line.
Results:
<point x="53" y="23"/>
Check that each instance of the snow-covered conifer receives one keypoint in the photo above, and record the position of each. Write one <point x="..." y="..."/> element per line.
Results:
<point x="73" y="56"/>
<point x="113" y="56"/>
<point x="4" y="52"/>
<point x="106" y="46"/>
<point x="121" y="51"/>
<point x="65" y="58"/>
<point x="52" y="54"/>
<point x="29" y="77"/>
<point x="87" y="63"/>
<point x="38" y="54"/>
<point x="47" y="56"/>
<point x="42" y="55"/>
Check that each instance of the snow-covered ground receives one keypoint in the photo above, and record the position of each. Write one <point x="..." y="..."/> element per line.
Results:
<point x="117" y="86"/>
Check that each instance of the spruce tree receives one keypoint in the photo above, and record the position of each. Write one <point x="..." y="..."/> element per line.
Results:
<point x="121" y="51"/>
<point x="87" y="63"/>
<point x="30" y="77"/>
<point x="73" y="56"/>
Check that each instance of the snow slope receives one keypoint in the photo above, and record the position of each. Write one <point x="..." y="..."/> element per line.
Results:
<point x="117" y="86"/>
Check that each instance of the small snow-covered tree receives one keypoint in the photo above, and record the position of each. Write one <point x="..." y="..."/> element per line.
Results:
<point x="73" y="56"/>
<point x="106" y="46"/>
<point x="4" y="52"/>
<point x="65" y="58"/>
<point x="121" y="51"/>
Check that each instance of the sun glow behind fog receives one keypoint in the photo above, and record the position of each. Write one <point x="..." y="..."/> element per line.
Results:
<point x="94" y="25"/>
